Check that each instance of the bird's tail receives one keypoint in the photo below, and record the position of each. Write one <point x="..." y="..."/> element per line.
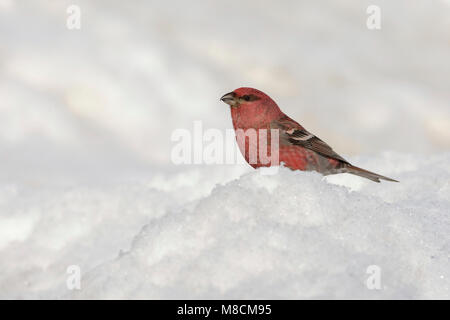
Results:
<point x="366" y="174"/>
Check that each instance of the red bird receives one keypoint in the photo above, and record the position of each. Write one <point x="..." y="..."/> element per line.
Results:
<point x="298" y="148"/>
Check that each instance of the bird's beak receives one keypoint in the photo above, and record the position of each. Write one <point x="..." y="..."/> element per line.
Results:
<point x="229" y="98"/>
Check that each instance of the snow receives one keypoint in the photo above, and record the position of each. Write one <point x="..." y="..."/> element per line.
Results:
<point x="86" y="177"/>
<point x="230" y="232"/>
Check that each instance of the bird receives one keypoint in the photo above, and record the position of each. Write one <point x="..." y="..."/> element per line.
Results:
<point x="298" y="149"/>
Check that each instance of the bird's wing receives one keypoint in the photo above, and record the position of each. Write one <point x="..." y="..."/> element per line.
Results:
<point x="293" y="133"/>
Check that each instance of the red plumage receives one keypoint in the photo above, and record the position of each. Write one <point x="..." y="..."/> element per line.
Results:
<point x="254" y="111"/>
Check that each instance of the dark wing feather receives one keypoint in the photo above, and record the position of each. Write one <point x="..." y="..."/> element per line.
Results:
<point x="295" y="134"/>
<point x="315" y="144"/>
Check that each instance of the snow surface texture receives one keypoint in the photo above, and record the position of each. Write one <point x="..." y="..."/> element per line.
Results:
<point x="181" y="235"/>
<point x="85" y="124"/>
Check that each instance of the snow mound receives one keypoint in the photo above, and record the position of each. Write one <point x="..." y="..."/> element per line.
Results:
<point x="294" y="235"/>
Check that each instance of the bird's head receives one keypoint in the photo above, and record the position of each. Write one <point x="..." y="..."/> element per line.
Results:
<point x="251" y="108"/>
<point x="246" y="97"/>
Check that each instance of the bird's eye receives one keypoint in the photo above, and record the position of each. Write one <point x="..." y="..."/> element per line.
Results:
<point x="246" y="98"/>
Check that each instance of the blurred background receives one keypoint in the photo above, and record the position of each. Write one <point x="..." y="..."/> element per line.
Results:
<point x="112" y="92"/>
<point x="82" y="108"/>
